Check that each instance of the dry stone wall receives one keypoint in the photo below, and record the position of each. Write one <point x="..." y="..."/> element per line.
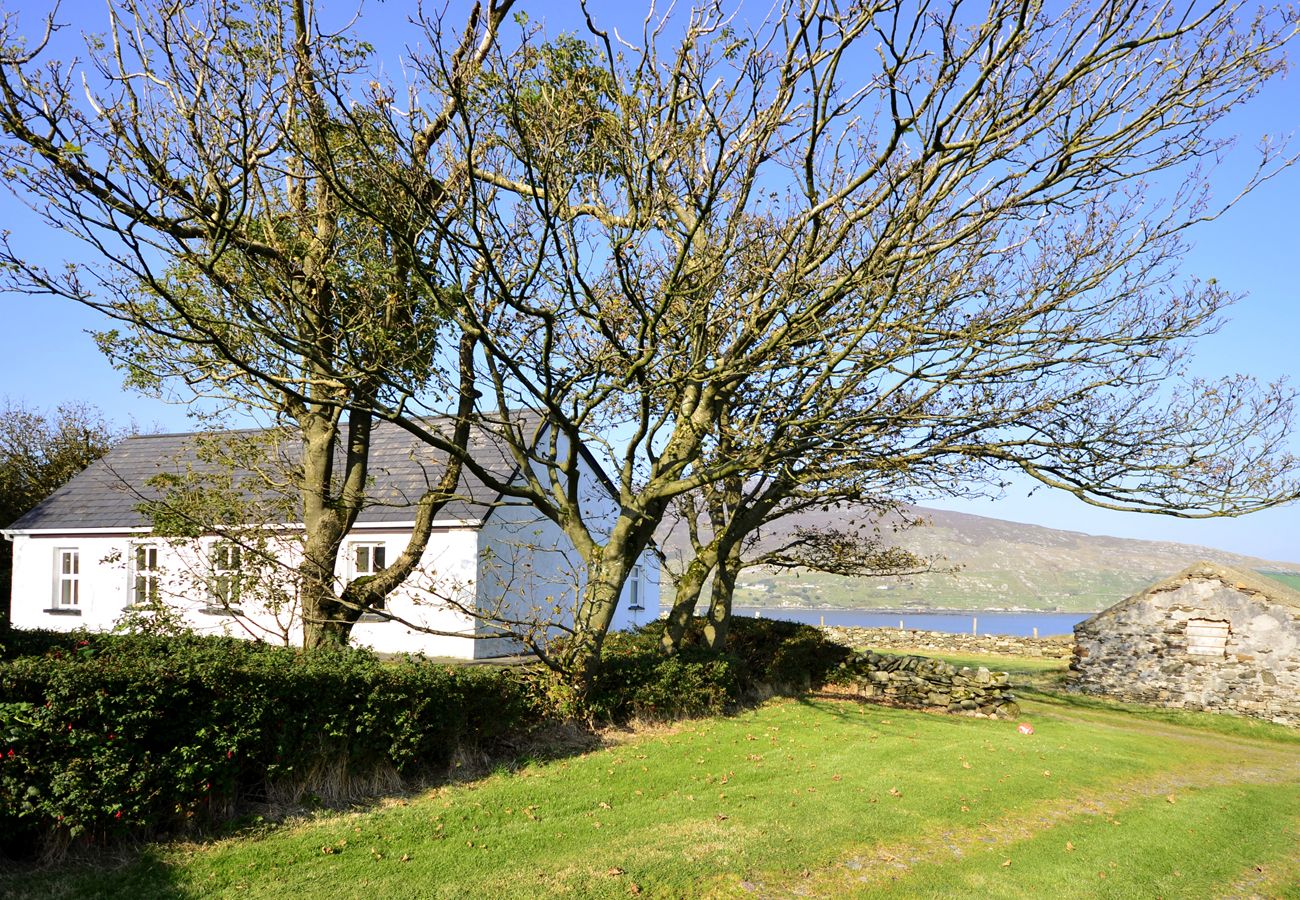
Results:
<point x="1205" y="643"/>
<point x="922" y="682"/>
<point x="939" y="641"/>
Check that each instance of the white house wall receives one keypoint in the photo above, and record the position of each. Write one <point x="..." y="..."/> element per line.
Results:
<point x="433" y="598"/>
<point x="448" y="571"/>
<point x="106" y="583"/>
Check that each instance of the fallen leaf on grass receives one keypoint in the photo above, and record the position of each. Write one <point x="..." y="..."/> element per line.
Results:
<point x="614" y="872"/>
<point x="1069" y="846"/>
<point x="895" y="792"/>
<point x="1170" y="799"/>
<point x="1006" y="863"/>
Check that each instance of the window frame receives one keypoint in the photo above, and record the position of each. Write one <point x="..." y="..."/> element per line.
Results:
<point x="354" y="571"/>
<point x="225" y="581"/>
<point x="58" y="605"/>
<point x="636" y="589"/>
<point x="149" y="577"/>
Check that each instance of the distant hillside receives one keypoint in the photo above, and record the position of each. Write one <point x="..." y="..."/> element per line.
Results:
<point x="1002" y="565"/>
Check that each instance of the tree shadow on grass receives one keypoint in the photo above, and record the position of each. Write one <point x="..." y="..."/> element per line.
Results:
<point x="135" y="876"/>
<point x="144" y="871"/>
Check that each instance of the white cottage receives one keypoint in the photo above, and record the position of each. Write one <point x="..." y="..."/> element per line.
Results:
<point x="86" y="556"/>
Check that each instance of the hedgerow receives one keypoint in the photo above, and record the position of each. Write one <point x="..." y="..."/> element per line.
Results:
<point x="104" y="737"/>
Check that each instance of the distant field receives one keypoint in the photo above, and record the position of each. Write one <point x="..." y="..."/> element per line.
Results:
<point x="1292" y="581"/>
<point x="810" y="797"/>
<point x="1045" y="592"/>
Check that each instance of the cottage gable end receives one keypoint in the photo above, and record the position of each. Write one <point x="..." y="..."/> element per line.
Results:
<point x="1210" y="637"/>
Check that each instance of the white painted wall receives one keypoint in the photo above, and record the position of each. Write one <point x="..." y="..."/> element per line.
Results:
<point x="527" y="562"/>
<point x="446" y="578"/>
<point x="448" y="570"/>
<point x="106" y="581"/>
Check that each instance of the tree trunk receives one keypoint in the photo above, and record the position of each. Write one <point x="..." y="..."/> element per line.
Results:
<point x="718" y="624"/>
<point x="600" y="598"/>
<point x="324" y="623"/>
<point x="329" y="509"/>
<point x="685" y="599"/>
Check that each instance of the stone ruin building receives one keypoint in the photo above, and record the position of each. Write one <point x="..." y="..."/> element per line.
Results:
<point x="1209" y="638"/>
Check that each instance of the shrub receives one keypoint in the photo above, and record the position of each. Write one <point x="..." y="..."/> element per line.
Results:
<point x="769" y="653"/>
<point x="636" y="679"/>
<point x="106" y="736"/>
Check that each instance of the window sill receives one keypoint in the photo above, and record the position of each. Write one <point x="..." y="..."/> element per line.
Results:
<point x="62" y="612"/>
<point x="221" y="611"/>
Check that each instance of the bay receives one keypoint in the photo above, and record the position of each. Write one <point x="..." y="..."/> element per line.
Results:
<point x="1007" y="623"/>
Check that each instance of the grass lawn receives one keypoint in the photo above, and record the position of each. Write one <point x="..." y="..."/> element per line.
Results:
<point x="813" y="797"/>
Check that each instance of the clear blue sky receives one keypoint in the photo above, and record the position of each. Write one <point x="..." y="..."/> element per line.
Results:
<point x="47" y="356"/>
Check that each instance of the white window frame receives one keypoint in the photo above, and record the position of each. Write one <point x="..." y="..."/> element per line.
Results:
<point x="376" y="562"/>
<point x="635" y="589"/>
<point x="226" y="560"/>
<point x="144" y="580"/>
<point x="67" y="584"/>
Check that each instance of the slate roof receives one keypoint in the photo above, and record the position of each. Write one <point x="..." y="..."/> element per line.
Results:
<point x="108" y="494"/>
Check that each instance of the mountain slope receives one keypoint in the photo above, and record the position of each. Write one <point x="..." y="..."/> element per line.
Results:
<point x="1001" y="565"/>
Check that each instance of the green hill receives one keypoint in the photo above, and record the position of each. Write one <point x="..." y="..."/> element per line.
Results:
<point x="999" y="565"/>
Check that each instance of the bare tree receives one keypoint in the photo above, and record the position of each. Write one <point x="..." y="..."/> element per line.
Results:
<point x="939" y="242"/>
<point x="725" y="534"/>
<point x="206" y="155"/>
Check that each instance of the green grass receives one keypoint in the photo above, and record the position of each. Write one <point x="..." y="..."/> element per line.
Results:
<point x="1290" y="580"/>
<point x="819" y="796"/>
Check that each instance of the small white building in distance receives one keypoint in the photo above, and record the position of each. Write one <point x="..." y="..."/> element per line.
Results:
<point x="87" y="555"/>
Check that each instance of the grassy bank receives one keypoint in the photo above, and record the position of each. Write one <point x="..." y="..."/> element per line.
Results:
<point x="820" y="797"/>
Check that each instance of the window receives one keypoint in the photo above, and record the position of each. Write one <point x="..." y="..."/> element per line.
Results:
<point x="634" y="589"/>
<point x="1207" y="637"/>
<point x="368" y="559"/>
<point x="67" y="579"/>
<point x="225" y="583"/>
<point x="144" y="575"/>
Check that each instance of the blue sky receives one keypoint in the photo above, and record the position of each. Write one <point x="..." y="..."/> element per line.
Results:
<point x="47" y="355"/>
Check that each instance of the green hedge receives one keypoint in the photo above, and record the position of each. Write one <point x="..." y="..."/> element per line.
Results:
<point x="103" y="736"/>
<point x="761" y="655"/>
<point x="108" y="736"/>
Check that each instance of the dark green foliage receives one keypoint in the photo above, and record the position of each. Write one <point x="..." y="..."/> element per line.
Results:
<point x="784" y="654"/>
<point x="636" y="679"/>
<point x="103" y="736"/>
<point x="770" y="653"/>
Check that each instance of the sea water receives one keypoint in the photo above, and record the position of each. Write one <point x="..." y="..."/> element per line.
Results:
<point x="1009" y="623"/>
